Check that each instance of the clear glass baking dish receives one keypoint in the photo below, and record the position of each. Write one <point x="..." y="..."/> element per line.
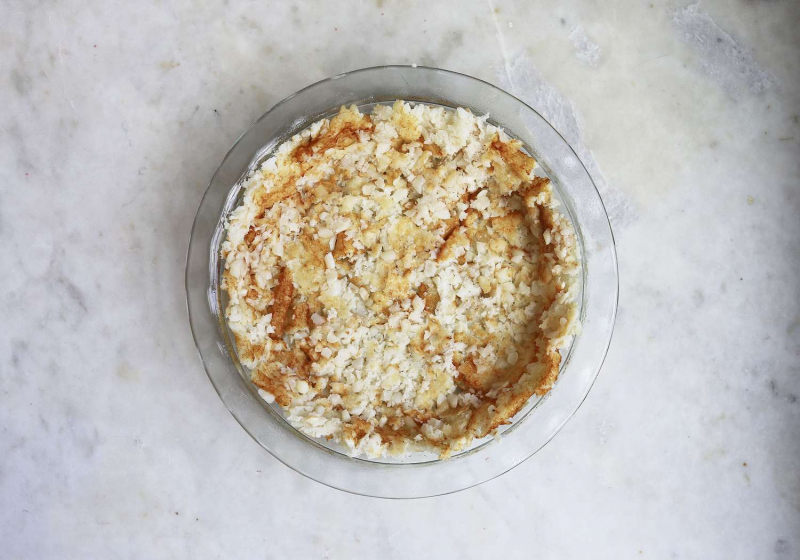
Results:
<point x="418" y="475"/>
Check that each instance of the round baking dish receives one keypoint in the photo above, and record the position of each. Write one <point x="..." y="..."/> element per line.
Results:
<point x="418" y="475"/>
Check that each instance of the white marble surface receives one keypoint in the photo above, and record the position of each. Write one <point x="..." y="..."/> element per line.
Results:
<point x="114" y="116"/>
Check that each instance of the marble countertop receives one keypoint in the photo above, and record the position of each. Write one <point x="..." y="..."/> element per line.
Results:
<point x="113" y="443"/>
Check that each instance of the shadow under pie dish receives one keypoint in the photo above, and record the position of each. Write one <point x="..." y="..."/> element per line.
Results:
<point x="399" y="277"/>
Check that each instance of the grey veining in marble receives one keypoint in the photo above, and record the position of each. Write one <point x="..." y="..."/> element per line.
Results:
<point x="113" y="117"/>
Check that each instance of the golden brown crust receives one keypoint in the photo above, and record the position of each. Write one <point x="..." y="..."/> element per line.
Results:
<point x="282" y="301"/>
<point x="299" y="318"/>
<point x="476" y="281"/>
<point x="469" y="379"/>
<point x="342" y="132"/>
<point x="521" y="163"/>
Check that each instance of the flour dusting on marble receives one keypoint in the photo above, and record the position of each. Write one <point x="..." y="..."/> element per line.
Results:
<point x="587" y="52"/>
<point x="523" y="80"/>
<point x="721" y="57"/>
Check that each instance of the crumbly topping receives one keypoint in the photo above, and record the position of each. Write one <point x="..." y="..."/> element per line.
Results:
<point x="400" y="280"/>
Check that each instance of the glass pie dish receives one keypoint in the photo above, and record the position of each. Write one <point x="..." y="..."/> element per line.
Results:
<point x="418" y="474"/>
